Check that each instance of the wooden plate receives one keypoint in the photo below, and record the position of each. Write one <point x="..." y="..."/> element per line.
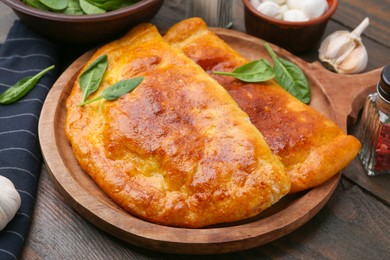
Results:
<point x="282" y="218"/>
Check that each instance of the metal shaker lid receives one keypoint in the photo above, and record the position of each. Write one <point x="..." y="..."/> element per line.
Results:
<point x="384" y="84"/>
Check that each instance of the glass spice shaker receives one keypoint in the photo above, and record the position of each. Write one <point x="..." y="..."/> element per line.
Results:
<point x="216" y="13"/>
<point x="374" y="128"/>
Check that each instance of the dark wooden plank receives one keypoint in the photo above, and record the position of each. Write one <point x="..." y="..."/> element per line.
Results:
<point x="58" y="231"/>
<point x="375" y="185"/>
<point x="351" y="226"/>
<point x="169" y="14"/>
<point x="351" y="13"/>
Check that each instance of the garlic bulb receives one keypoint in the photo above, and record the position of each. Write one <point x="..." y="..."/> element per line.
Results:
<point x="9" y="201"/>
<point x="344" y="51"/>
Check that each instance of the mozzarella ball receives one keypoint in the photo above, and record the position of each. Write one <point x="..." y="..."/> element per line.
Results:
<point x="314" y="8"/>
<point x="294" y="4"/>
<point x="270" y="9"/>
<point x="295" y="15"/>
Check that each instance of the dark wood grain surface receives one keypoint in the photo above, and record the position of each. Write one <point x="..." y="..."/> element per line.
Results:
<point x="354" y="224"/>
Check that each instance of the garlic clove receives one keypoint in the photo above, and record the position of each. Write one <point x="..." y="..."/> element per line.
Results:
<point x="295" y="15"/>
<point x="356" y="62"/>
<point x="338" y="46"/>
<point x="344" y="51"/>
<point x="270" y="9"/>
<point x="9" y="201"/>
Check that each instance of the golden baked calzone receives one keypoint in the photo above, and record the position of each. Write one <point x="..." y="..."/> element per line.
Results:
<point x="177" y="150"/>
<point x="312" y="147"/>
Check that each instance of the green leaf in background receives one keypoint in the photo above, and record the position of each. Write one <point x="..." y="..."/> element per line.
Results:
<point x="89" y="8"/>
<point x="117" y="90"/>
<point x="290" y="77"/>
<point x="56" y="5"/>
<point x="22" y="87"/>
<point x="73" y="8"/>
<point x="79" y="7"/>
<point x="36" y="4"/>
<point x="110" y="5"/>
<point x="255" y="71"/>
<point x="91" y="77"/>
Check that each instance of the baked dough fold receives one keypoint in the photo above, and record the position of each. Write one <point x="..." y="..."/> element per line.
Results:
<point x="312" y="147"/>
<point x="177" y="150"/>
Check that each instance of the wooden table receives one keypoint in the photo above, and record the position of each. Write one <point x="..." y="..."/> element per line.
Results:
<point x="354" y="224"/>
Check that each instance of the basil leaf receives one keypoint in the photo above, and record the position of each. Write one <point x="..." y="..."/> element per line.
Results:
<point x="56" y="5"/>
<point x="290" y="77"/>
<point x="110" y="5"/>
<point x="255" y="71"/>
<point x="79" y="7"/>
<point x="22" y="87"/>
<point x="91" y="77"/>
<point x="73" y="8"/>
<point x="89" y="8"/>
<point x="36" y="4"/>
<point x="120" y="88"/>
<point x="117" y="90"/>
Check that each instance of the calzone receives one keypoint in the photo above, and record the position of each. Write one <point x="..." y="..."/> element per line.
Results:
<point x="312" y="147"/>
<point x="177" y="150"/>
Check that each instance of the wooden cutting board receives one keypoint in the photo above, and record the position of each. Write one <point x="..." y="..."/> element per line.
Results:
<point x="338" y="97"/>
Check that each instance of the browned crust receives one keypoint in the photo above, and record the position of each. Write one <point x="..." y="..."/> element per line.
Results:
<point x="312" y="147"/>
<point x="177" y="150"/>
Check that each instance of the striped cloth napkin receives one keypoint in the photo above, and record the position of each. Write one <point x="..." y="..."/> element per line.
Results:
<point x="24" y="53"/>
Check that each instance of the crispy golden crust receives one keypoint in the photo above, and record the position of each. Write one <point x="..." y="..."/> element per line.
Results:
<point x="177" y="150"/>
<point x="312" y="147"/>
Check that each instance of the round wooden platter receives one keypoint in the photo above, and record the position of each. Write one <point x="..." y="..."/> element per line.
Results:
<point x="328" y="90"/>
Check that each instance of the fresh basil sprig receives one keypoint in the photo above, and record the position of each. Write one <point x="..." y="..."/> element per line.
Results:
<point x="290" y="77"/>
<point x="111" y="4"/>
<point x="287" y="74"/>
<point x="117" y="90"/>
<point x="56" y="5"/>
<point x="89" y="8"/>
<point x="255" y="71"/>
<point x="36" y="4"/>
<point x="91" y="77"/>
<point x="22" y="87"/>
<point x="79" y="7"/>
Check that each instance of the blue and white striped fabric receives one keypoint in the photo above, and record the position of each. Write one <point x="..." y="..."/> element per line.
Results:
<point x="24" y="53"/>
